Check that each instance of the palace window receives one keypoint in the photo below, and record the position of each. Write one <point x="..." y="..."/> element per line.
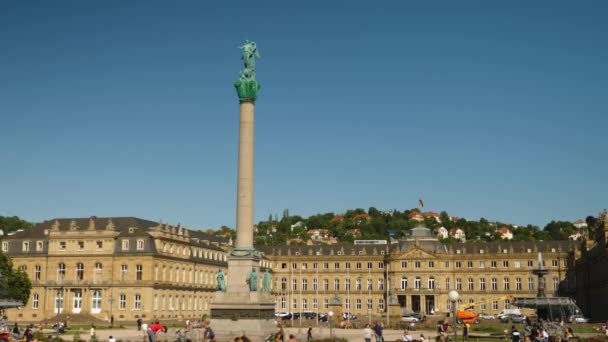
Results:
<point x="122" y="302"/>
<point x="507" y="303"/>
<point x="140" y="245"/>
<point x="294" y="266"/>
<point x="369" y="284"/>
<point x="369" y="265"/>
<point x="284" y="265"/>
<point x="348" y="304"/>
<point x="325" y="265"/>
<point x="35" y="300"/>
<point x="369" y="304"/>
<point x="325" y="303"/>
<point x="99" y="244"/>
<point x="125" y="245"/>
<point x="431" y="264"/>
<point x="431" y="283"/>
<point x="96" y="302"/>
<point x="336" y="284"/>
<point x="58" y="301"/>
<point x="380" y="265"/>
<point x="447" y="264"/>
<point x="381" y="304"/>
<point x="294" y="284"/>
<point x="315" y="285"/>
<point x="505" y="283"/>
<point x="447" y="283"/>
<point x="554" y="263"/>
<point x="60" y="271"/>
<point x="530" y="263"/>
<point x="417" y="282"/>
<point x="80" y="244"/>
<point x="404" y="264"/>
<point x="494" y="284"/>
<point x="505" y="263"/>
<point x="325" y="284"/>
<point x="5" y="246"/>
<point x="304" y="303"/>
<point x="315" y="265"/>
<point x="346" y="265"/>
<point x="283" y="302"/>
<point x="304" y="284"/>
<point x="493" y="264"/>
<point x="482" y="264"/>
<point x="39" y="246"/>
<point x="380" y="284"/>
<point x="469" y="264"/>
<point x="417" y="264"/>
<point x="495" y="305"/>
<point x="358" y="304"/>
<point x="336" y="265"/>
<point x="139" y="269"/>
<point x="530" y="283"/>
<point x="26" y="246"/>
<point x="347" y="284"/>
<point x="518" y="284"/>
<point x="517" y="264"/>
<point x="403" y="282"/>
<point x="358" y="265"/>
<point x="23" y="268"/>
<point x="471" y="286"/>
<point x="137" y="302"/>
<point x="458" y="264"/>
<point x="283" y="283"/>
<point x="315" y="303"/>
<point x="37" y="272"/>
<point x="79" y="271"/>
<point x="482" y="284"/>
<point x="294" y="303"/>
<point x="62" y="244"/>
<point x="358" y="284"/>
<point x="458" y="284"/>
<point x="555" y="283"/>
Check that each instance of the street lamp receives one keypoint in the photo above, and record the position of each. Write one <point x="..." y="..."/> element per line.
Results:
<point x="453" y="296"/>
<point x="331" y="317"/>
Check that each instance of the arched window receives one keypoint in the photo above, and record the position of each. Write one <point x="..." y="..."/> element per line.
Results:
<point x="403" y="282"/>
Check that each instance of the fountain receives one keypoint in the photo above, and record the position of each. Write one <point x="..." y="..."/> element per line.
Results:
<point x="550" y="311"/>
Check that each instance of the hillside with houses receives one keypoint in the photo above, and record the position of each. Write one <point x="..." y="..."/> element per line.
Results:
<point x="373" y="224"/>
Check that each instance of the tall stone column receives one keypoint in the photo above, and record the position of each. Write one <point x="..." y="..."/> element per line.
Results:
<point x="243" y="307"/>
<point x="244" y="209"/>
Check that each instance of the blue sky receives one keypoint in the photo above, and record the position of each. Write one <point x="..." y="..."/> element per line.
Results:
<point x="482" y="109"/>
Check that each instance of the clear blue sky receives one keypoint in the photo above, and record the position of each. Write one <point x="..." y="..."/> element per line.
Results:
<point x="126" y="108"/>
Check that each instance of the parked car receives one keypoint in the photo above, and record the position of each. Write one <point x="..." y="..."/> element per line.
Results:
<point x="305" y="315"/>
<point x="421" y="317"/>
<point x="484" y="315"/>
<point x="283" y="315"/>
<point x="578" y="319"/>
<point x="349" y="316"/>
<point x="409" y="318"/>
<point x="514" y="318"/>
<point x="322" y="317"/>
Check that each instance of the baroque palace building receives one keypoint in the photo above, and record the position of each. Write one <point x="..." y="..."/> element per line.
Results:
<point x="416" y="274"/>
<point x="124" y="267"/>
<point x="131" y="268"/>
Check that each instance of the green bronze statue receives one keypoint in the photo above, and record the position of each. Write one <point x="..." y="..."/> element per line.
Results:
<point x="246" y="86"/>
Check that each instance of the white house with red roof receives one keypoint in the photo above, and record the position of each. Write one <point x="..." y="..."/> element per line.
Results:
<point x="505" y="233"/>
<point x="441" y="232"/>
<point x="580" y="223"/>
<point x="433" y="215"/>
<point x="414" y="215"/>
<point x="458" y="234"/>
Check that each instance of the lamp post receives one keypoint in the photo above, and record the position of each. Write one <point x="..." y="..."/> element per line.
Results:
<point x="331" y="332"/>
<point x="453" y="295"/>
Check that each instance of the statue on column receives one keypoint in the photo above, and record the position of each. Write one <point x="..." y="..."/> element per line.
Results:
<point x="252" y="280"/>
<point x="221" y="280"/>
<point x="266" y="282"/>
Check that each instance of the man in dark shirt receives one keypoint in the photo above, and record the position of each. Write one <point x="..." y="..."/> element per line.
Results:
<point x="378" y="331"/>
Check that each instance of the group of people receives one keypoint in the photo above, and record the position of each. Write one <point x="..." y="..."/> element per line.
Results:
<point x="151" y="331"/>
<point x="373" y="332"/>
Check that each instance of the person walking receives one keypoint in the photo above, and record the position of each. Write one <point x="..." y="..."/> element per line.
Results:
<point x="309" y="334"/>
<point x="378" y="332"/>
<point x="465" y="332"/>
<point x="367" y="333"/>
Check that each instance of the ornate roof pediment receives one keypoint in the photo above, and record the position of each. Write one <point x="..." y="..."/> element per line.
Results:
<point x="416" y="253"/>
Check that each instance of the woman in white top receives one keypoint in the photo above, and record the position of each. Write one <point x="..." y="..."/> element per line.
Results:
<point x="367" y="333"/>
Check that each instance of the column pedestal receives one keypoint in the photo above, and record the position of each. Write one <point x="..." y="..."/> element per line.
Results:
<point x="240" y="311"/>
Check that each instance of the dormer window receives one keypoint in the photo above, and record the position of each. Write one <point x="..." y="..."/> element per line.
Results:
<point x="39" y="246"/>
<point x="125" y="245"/>
<point x="5" y="246"/>
<point x="140" y="245"/>
<point x="26" y="246"/>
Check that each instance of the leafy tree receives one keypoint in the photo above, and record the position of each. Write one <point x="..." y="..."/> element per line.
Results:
<point x="373" y="212"/>
<point x="559" y="230"/>
<point x="11" y="224"/>
<point x="15" y="284"/>
<point x="445" y="220"/>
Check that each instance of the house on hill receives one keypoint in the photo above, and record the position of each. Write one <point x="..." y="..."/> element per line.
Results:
<point x="505" y="233"/>
<point x="414" y="215"/>
<point x="458" y="234"/>
<point x="441" y="233"/>
<point x="433" y="215"/>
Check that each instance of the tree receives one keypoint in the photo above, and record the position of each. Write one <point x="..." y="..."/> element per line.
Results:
<point x="559" y="230"/>
<point x="15" y="284"/>
<point x="11" y="224"/>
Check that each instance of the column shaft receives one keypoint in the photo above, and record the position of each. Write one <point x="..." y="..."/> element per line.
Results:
<point x="244" y="210"/>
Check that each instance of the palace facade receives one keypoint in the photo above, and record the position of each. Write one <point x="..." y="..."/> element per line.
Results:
<point x="131" y="268"/>
<point x="416" y="274"/>
<point x="124" y="267"/>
